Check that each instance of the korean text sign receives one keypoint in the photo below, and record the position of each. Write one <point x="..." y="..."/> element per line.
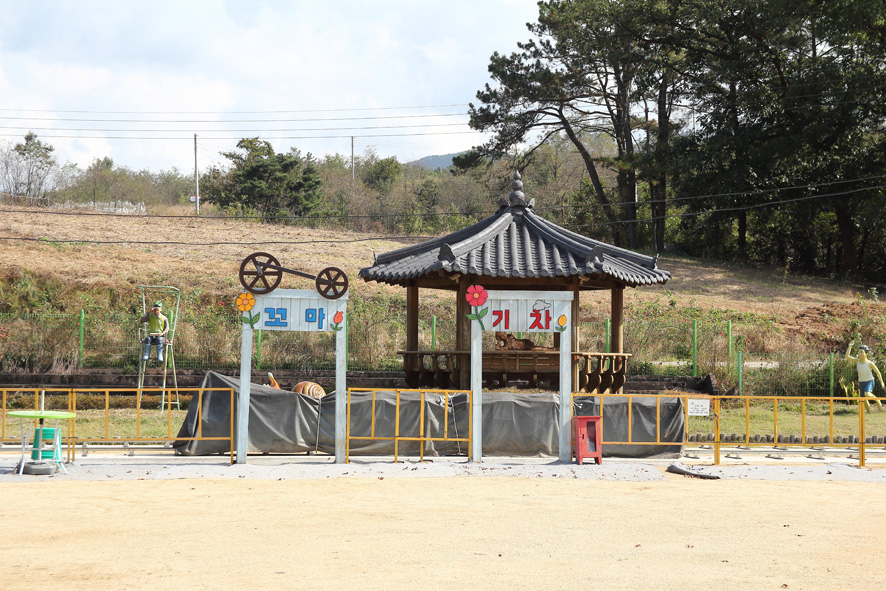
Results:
<point x="299" y="310"/>
<point x="530" y="312"/>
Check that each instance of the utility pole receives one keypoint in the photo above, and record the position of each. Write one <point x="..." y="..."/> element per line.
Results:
<point x="196" y="179"/>
<point x="352" y="168"/>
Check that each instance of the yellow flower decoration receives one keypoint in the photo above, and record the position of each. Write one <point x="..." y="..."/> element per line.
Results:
<point x="245" y="302"/>
<point x="562" y="320"/>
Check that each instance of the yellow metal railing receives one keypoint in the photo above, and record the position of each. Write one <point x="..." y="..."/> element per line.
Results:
<point x="630" y="398"/>
<point x="444" y="395"/>
<point x="732" y="404"/>
<point x="834" y="406"/>
<point x="852" y="412"/>
<point x="105" y="433"/>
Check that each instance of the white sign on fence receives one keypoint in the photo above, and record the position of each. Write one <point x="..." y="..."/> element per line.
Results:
<point x="698" y="407"/>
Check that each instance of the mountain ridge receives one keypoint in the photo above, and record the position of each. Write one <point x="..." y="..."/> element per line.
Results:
<point x="435" y="161"/>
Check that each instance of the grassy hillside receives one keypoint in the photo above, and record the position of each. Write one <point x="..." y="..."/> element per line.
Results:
<point x="202" y="257"/>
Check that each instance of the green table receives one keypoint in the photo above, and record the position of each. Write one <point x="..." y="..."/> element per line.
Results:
<point x="40" y="415"/>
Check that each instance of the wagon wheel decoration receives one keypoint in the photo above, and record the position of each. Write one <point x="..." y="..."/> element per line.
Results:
<point x="260" y="273"/>
<point x="332" y="283"/>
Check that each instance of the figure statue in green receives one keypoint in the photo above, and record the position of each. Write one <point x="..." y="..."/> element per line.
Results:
<point x="158" y="328"/>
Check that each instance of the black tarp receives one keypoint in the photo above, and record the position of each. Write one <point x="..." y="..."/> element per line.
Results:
<point x="514" y="423"/>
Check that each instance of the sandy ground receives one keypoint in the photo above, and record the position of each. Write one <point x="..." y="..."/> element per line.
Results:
<point x="278" y="522"/>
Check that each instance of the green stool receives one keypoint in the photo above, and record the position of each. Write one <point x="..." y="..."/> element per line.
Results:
<point x="48" y="452"/>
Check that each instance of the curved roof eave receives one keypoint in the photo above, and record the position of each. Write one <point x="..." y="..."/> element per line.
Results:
<point x="515" y="242"/>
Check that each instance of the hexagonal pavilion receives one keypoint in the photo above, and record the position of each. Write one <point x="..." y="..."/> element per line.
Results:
<point x="514" y="249"/>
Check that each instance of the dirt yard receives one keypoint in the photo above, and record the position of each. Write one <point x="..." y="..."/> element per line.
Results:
<point x="441" y="533"/>
<point x="382" y="532"/>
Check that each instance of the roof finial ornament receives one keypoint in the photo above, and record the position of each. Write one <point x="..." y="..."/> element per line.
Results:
<point x="517" y="198"/>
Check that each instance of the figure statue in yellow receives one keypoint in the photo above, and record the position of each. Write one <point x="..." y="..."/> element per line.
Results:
<point x="866" y="370"/>
<point x="158" y="328"/>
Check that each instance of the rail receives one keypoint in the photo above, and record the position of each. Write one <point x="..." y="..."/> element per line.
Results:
<point x="121" y="415"/>
<point x="836" y="414"/>
<point x="761" y="422"/>
<point x="780" y="423"/>
<point x="442" y="397"/>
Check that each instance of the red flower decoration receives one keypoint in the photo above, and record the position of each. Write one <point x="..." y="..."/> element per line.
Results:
<point x="477" y="295"/>
<point x="339" y="316"/>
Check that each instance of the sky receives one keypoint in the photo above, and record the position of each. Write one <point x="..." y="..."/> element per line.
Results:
<point x="135" y="80"/>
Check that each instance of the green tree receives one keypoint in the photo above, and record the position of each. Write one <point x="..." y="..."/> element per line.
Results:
<point x="309" y="189"/>
<point x="271" y="184"/>
<point x="26" y="169"/>
<point x="173" y="186"/>
<point x="791" y="97"/>
<point x="583" y="73"/>
<point x="98" y="181"/>
<point x="428" y="195"/>
<point x="380" y="174"/>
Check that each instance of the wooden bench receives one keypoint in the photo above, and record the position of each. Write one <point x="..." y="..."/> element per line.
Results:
<point x="539" y="368"/>
<point x="597" y="372"/>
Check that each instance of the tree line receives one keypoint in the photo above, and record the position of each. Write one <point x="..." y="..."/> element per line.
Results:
<point x="752" y="130"/>
<point x="30" y="174"/>
<point x="256" y="182"/>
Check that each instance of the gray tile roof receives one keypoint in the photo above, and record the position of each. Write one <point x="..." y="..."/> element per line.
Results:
<point x="516" y="243"/>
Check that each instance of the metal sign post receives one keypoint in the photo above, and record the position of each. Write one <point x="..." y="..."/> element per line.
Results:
<point x="243" y="398"/>
<point x="520" y="311"/>
<point x="293" y="310"/>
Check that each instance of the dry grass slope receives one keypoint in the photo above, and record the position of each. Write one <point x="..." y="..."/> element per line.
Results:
<point x="204" y="254"/>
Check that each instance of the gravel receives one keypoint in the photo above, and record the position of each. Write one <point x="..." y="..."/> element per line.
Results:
<point x="113" y="466"/>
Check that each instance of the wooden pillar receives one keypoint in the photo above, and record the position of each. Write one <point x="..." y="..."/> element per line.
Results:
<point x="412" y="318"/>
<point x="618" y="319"/>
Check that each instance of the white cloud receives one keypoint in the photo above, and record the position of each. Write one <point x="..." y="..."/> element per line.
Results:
<point x="226" y="58"/>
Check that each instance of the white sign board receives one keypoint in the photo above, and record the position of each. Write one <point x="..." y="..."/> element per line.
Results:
<point x="537" y="314"/>
<point x="297" y="310"/>
<point x="698" y="407"/>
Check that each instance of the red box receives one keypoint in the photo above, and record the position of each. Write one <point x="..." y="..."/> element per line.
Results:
<point x="588" y="438"/>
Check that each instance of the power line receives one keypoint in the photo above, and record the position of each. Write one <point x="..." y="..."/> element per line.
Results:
<point x="304" y="242"/>
<point x="742" y="99"/>
<point x="279" y="137"/>
<point x="389" y="216"/>
<point x="421" y="125"/>
<point x="749" y="193"/>
<point x="488" y="212"/>
<point x="293" y="218"/>
<point x="78" y="119"/>
<point x="725" y="209"/>
<point x="237" y="112"/>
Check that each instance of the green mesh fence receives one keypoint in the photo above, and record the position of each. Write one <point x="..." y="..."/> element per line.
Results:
<point x="796" y="375"/>
<point x="60" y="342"/>
<point x="38" y="342"/>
